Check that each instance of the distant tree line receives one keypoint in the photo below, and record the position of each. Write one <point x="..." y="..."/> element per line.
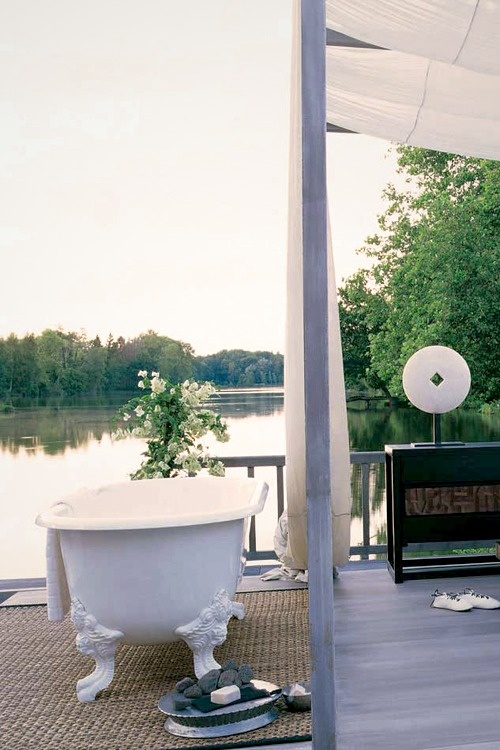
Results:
<point x="63" y="363"/>
<point x="235" y="367"/>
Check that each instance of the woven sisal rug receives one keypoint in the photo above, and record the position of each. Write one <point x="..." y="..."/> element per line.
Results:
<point x="40" y="666"/>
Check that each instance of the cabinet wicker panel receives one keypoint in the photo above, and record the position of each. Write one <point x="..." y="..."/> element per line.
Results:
<point x="476" y="498"/>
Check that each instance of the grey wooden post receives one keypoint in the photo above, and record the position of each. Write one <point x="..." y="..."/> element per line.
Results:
<point x="365" y="506"/>
<point x="317" y="417"/>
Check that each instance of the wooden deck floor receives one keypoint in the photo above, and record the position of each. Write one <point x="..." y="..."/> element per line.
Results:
<point x="412" y="677"/>
<point x="408" y="676"/>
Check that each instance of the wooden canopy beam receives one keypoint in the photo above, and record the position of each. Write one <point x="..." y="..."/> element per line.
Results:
<point x="337" y="39"/>
<point x="316" y="372"/>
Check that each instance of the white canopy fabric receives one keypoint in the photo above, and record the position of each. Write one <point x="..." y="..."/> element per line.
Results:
<point x="459" y="32"/>
<point x="435" y="84"/>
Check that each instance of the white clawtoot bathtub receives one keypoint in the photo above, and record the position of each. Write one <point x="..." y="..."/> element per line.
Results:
<point x="151" y="561"/>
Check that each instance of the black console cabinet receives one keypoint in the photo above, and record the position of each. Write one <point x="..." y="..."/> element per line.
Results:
<point x="441" y="493"/>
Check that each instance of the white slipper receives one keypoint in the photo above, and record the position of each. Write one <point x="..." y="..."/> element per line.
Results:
<point x="479" y="601"/>
<point x="456" y="602"/>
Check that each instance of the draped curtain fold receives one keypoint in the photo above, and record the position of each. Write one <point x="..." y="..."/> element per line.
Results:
<point x="294" y="367"/>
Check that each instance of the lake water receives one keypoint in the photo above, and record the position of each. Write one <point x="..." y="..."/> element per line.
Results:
<point x="48" y="452"/>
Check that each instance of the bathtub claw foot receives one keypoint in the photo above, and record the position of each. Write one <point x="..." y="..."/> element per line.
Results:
<point x="100" y="643"/>
<point x="209" y="630"/>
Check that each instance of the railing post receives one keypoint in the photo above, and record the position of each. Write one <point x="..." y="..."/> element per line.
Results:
<point x="365" y="505"/>
<point x="252" y="538"/>
<point x="280" y="490"/>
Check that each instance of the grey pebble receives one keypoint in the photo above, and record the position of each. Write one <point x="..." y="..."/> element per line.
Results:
<point x="228" y="677"/>
<point x="246" y="673"/>
<point x="186" y="682"/>
<point x="180" y="703"/>
<point x="229" y="664"/>
<point x="193" y="692"/>
<point x="209" y="681"/>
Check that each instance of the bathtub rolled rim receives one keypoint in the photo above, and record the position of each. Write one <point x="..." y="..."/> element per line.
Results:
<point x="56" y="517"/>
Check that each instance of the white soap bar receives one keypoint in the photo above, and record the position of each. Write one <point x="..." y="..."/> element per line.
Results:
<point x="297" y="689"/>
<point x="225" y="695"/>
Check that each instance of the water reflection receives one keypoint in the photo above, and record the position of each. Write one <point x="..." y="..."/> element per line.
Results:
<point x="52" y="430"/>
<point x="377" y="489"/>
<point x="370" y="430"/>
<point x="238" y="404"/>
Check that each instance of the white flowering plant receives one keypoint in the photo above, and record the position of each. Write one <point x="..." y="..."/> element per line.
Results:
<point x="173" y="421"/>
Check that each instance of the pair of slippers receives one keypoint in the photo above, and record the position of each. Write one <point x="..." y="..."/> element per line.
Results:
<point x="463" y="601"/>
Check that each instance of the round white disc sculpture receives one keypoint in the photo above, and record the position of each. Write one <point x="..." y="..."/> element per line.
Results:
<point x="436" y="379"/>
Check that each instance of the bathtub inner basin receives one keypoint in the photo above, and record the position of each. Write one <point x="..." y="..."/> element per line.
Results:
<point x="156" y="503"/>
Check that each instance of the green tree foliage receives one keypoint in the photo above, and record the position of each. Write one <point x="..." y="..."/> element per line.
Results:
<point x="67" y="363"/>
<point x="435" y="274"/>
<point x="362" y="313"/>
<point x="19" y="370"/>
<point x="236" y="367"/>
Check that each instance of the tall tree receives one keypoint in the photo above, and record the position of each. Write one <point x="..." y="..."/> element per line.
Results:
<point x="362" y="313"/>
<point x="94" y="366"/>
<point x="436" y="267"/>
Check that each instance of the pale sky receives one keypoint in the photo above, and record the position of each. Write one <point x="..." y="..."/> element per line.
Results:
<point x="144" y="170"/>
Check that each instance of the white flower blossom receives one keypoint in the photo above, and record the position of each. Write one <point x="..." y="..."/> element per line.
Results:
<point x="138" y="432"/>
<point x="157" y="384"/>
<point x="170" y="443"/>
<point x="181" y="458"/>
<point x="206" y="391"/>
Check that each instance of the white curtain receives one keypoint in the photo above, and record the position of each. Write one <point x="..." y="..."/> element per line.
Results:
<point x="437" y="82"/>
<point x="294" y="368"/>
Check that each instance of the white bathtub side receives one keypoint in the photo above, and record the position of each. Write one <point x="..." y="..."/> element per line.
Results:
<point x="146" y="557"/>
<point x="148" y="582"/>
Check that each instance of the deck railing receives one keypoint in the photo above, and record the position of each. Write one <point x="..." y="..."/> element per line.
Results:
<point x="366" y="460"/>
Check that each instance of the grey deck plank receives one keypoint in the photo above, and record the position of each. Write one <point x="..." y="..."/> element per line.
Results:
<point x="254" y="583"/>
<point x="26" y="598"/>
<point x="412" y="677"/>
